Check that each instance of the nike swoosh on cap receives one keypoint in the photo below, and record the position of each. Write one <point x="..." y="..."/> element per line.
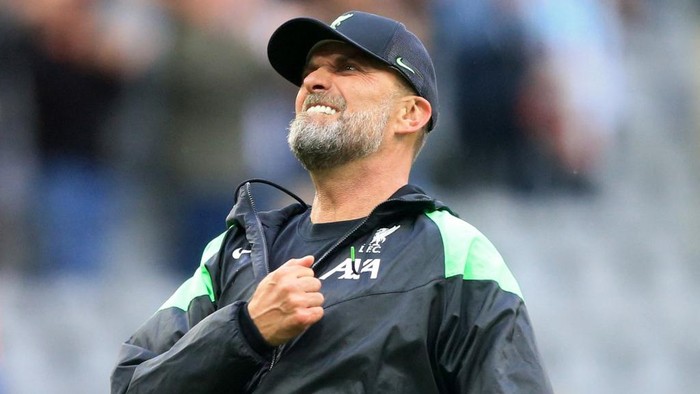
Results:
<point x="399" y="61"/>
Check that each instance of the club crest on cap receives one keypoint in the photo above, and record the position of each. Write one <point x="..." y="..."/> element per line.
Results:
<point x="340" y="20"/>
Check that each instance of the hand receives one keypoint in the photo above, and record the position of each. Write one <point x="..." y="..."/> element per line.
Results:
<point x="287" y="301"/>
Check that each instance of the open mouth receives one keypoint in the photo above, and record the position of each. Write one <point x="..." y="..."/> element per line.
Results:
<point x="321" y="109"/>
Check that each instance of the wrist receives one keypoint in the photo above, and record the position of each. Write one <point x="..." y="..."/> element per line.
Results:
<point x="252" y="334"/>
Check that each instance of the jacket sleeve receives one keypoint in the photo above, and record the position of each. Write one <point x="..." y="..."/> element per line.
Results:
<point x="486" y="342"/>
<point x="188" y="345"/>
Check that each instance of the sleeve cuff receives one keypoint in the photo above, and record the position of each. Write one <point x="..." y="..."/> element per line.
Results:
<point x="252" y="334"/>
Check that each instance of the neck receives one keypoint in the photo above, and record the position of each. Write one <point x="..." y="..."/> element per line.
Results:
<point x="352" y="191"/>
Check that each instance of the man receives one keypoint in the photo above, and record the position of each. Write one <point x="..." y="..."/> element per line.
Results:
<point x="376" y="287"/>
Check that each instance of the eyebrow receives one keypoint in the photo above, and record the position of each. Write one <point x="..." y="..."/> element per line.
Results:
<point x="357" y="58"/>
<point x="312" y="64"/>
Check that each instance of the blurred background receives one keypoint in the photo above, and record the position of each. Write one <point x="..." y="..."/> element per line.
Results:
<point x="569" y="135"/>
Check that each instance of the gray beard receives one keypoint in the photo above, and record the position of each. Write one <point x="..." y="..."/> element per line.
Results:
<point x="325" y="145"/>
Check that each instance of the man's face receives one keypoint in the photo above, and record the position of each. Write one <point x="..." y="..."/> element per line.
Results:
<point x="343" y="107"/>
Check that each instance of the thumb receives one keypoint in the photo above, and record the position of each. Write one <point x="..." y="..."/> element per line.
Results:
<point x="306" y="261"/>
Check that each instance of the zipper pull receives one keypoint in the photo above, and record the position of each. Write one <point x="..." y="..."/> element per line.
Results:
<point x="352" y="260"/>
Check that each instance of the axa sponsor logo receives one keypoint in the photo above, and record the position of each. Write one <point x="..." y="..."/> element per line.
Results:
<point x="375" y="245"/>
<point x="344" y="270"/>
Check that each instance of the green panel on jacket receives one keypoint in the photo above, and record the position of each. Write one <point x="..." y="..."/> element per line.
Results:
<point x="470" y="254"/>
<point x="200" y="283"/>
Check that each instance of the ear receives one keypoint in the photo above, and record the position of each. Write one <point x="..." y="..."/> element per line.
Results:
<point x="415" y="112"/>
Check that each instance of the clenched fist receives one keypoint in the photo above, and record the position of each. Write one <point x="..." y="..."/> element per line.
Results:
<point x="287" y="301"/>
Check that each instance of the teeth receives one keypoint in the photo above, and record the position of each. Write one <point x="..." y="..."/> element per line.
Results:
<point x="321" y="109"/>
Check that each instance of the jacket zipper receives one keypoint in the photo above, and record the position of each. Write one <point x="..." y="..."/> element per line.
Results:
<point x="260" y="227"/>
<point x="276" y="354"/>
<point x="277" y="351"/>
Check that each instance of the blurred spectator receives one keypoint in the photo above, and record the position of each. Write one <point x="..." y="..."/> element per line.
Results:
<point x="482" y="42"/>
<point x="72" y="72"/>
<point x="67" y="64"/>
<point x="572" y="102"/>
<point x="535" y="88"/>
<point x="16" y="154"/>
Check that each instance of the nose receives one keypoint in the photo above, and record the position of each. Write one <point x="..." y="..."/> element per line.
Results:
<point x="317" y="80"/>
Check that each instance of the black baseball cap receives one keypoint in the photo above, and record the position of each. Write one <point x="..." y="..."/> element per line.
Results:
<point x="382" y="38"/>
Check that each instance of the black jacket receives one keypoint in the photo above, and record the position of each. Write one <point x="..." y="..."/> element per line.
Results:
<point x="427" y="307"/>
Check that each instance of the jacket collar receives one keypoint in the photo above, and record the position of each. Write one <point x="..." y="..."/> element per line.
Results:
<point x="407" y="200"/>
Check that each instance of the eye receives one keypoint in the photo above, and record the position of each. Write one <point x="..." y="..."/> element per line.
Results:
<point x="349" y="67"/>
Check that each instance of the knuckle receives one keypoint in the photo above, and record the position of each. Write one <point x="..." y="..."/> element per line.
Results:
<point x="288" y="287"/>
<point x="299" y="320"/>
<point x="308" y="316"/>
<point x="295" y="300"/>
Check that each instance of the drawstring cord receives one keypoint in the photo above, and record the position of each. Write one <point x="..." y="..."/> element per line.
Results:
<point x="300" y="201"/>
<point x="276" y="186"/>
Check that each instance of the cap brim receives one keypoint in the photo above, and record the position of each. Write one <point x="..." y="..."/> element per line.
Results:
<point x="291" y="43"/>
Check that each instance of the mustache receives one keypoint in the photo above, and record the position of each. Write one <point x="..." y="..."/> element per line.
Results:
<point x="336" y="102"/>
